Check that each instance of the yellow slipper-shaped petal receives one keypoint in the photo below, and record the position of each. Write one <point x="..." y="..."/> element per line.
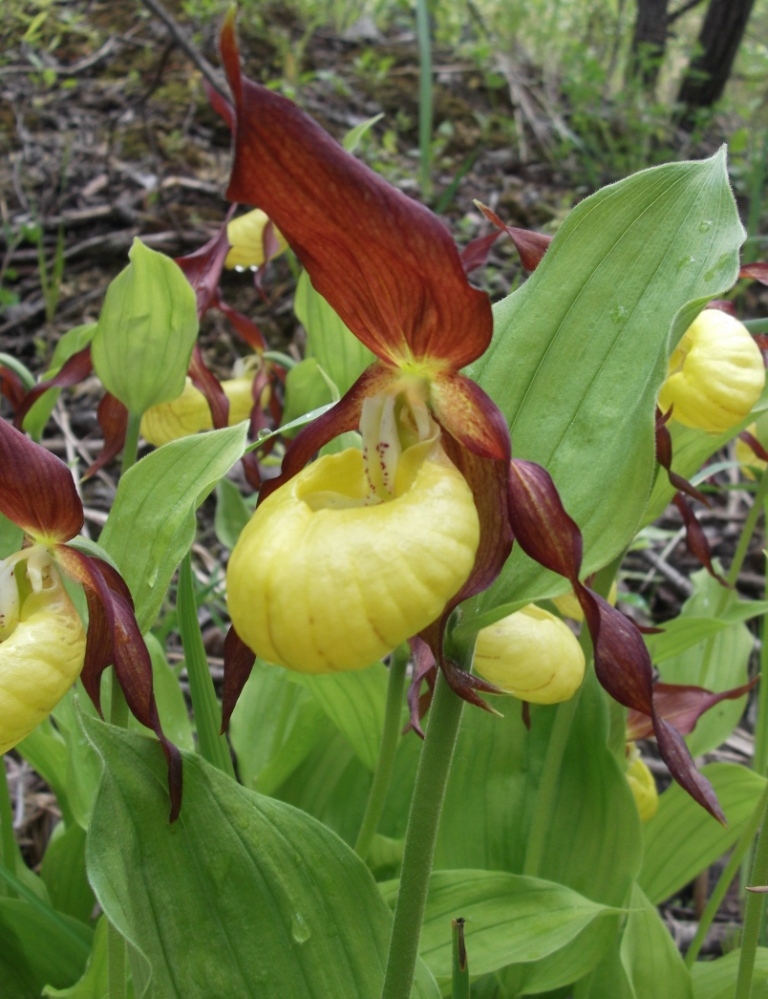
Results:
<point x="325" y="579"/>
<point x="531" y="654"/>
<point x="716" y="374"/>
<point x="190" y="413"/>
<point x="643" y="787"/>
<point x="39" y="661"/>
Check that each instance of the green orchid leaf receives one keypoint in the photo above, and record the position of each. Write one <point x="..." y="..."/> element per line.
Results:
<point x="63" y="871"/>
<point x="646" y="964"/>
<point x="95" y="981"/>
<point x="340" y="354"/>
<point x="146" y="331"/>
<point x="580" y="351"/>
<point x="232" y="513"/>
<point x="681" y="840"/>
<point x="242" y="893"/>
<point x="306" y="389"/>
<point x="686" y="631"/>
<point x="39" y="947"/>
<point x="716" y="979"/>
<point x="717" y="662"/>
<point x="274" y="726"/>
<point x="355" y="704"/>
<point x="152" y="522"/>
<point x="509" y="918"/>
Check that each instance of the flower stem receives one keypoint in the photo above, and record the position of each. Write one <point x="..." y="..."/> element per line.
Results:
<point x="8" y="841"/>
<point x="131" y="445"/>
<point x="213" y="746"/>
<point x="460" y="979"/>
<point x="748" y="530"/>
<point x="389" y="741"/>
<point x="753" y="912"/>
<point x="420" y="838"/>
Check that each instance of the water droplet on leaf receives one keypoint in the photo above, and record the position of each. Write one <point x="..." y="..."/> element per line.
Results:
<point x="300" y="931"/>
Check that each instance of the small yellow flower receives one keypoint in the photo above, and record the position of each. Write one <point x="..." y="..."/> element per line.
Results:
<point x="246" y="238"/>
<point x="190" y="413"/>
<point x="570" y="607"/>
<point x="42" y="643"/>
<point x="642" y="785"/>
<point x="335" y="569"/>
<point x="531" y="654"/>
<point x="716" y="374"/>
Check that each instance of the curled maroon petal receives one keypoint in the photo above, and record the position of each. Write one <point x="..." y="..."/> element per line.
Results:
<point x="238" y="663"/>
<point x="384" y="262"/>
<point x="114" y="637"/>
<point x="113" y="420"/>
<point x="73" y="371"/>
<point x="681" y="705"/>
<point x="37" y="491"/>
<point x="530" y="245"/>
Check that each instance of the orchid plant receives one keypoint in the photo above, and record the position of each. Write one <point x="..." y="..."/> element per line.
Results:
<point x="415" y="733"/>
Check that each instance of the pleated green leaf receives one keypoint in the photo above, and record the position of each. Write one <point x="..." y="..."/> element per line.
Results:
<point x="681" y="839"/>
<point x="243" y="896"/>
<point x="355" y="704"/>
<point x="717" y="979"/>
<point x="509" y="918"/>
<point x="152" y="521"/>
<point x="39" y="947"/>
<point x="717" y="662"/>
<point x="580" y="351"/>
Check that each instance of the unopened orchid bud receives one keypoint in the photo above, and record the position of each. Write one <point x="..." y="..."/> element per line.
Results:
<point x="253" y="240"/>
<point x="190" y="413"/>
<point x="570" y="607"/>
<point x="328" y="576"/>
<point x="716" y="374"/>
<point x="642" y="785"/>
<point x="42" y="645"/>
<point x="532" y="655"/>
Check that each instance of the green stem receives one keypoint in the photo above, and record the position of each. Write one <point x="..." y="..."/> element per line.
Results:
<point x="213" y="745"/>
<point x="753" y="912"/>
<point x="760" y="758"/>
<point x="748" y="530"/>
<point x="131" y="445"/>
<point x="8" y="841"/>
<point x="725" y="879"/>
<point x="460" y="978"/>
<point x="389" y="741"/>
<point x="420" y="838"/>
<point x="425" y="99"/>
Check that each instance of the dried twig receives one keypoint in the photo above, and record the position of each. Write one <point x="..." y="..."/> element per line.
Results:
<point x="180" y="37"/>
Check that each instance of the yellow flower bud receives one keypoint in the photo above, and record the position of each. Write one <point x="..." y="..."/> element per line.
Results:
<point x="44" y="648"/>
<point x="642" y="786"/>
<point x="570" y="607"/>
<point x="716" y="374"/>
<point x="190" y="413"/>
<point x="246" y="236"/>
<point x="531" y="654"/>
<point x="328" y="577"/>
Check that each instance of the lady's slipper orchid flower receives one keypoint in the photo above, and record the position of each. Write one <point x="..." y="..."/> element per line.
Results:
<point x="531" y="654"/>
<point x="716" y="374"/>
<point x="37" y="493"/>
<point x="569" y="606"/>
<point x="391" y="271"/>
<point x="750" y="448"/>
<point x="191" y="412"/>
<point x="252" y="241"/>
